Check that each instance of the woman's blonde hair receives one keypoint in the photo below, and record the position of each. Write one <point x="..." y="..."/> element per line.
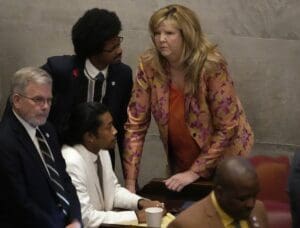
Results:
<point x="198" y="52"/>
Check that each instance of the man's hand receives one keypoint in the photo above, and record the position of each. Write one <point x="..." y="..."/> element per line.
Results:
<point x="74" y="224"/>
<point x="141" y="215"/>
<point x="178" y="181"/>
<point x="145" y="203"/>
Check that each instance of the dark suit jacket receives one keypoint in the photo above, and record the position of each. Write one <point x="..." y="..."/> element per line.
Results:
<point x="294" y="190"/>
<point x="26" y="198"/>
<point x="70" y="88"/>
<point x="203" y="214"/>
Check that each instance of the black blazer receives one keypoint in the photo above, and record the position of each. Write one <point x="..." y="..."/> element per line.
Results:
<point x="26" y="198"/>
<point x="294" y="189"/>
<point x="70" y="88"/>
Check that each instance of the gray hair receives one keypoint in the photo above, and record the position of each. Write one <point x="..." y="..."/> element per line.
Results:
<point x="24" y="76"/>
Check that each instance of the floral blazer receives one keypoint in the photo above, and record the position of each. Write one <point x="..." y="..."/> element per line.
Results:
<point x="215" y="119"/>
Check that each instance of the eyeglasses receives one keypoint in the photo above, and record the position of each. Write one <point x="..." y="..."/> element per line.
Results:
<point x="120" y="39"/>
<point x="40" y="101"/>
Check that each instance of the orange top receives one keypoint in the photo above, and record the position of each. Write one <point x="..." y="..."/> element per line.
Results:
<point x="183" y="149"/>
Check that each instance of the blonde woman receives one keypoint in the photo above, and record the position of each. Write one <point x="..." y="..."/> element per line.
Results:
<point x="183" y="81"/>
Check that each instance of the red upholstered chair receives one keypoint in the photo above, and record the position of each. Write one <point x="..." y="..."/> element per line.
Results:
<point x="273" y="177"/>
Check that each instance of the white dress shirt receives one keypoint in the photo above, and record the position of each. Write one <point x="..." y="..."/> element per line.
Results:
<point x="97" y="205"/>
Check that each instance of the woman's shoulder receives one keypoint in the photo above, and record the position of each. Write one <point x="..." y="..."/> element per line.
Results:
<point x="147" y="58"/>
<point x="146" y="64"/>
<point x="215" y="65"/>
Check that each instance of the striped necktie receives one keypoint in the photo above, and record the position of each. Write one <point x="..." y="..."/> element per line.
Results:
<point x="55" y="179"/>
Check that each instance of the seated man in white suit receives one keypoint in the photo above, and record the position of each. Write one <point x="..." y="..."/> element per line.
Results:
<point x="89" y="135"/>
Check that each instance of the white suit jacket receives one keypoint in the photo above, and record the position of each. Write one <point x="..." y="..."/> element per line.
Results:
<point x="97" y="206"/>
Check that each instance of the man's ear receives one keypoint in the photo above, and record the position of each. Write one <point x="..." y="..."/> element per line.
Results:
<point x="88" y="137"/>
<point x="15" y="100"/>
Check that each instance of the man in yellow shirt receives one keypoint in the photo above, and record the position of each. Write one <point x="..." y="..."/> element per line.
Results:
<point x="232" y="203"/>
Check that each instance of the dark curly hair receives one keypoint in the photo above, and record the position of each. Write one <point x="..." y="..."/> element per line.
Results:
<point x="92" y="30"/>
<point x="83" y="118"/>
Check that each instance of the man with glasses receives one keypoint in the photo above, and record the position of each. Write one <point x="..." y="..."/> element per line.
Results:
<point x="95" y="73"/>
<point x="35" y="191"/>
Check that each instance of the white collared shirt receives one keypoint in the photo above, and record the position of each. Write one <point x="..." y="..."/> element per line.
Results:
<point x="91" y="72"/>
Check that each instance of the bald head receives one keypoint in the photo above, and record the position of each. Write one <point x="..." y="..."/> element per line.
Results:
<point x="232" y="170"/>
<point x="236" y="186"/>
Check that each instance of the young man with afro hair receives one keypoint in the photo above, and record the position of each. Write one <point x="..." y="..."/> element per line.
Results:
<point x="94" y="73"/>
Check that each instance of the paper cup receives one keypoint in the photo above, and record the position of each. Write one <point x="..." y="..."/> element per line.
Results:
<point x="154" y="216"/>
